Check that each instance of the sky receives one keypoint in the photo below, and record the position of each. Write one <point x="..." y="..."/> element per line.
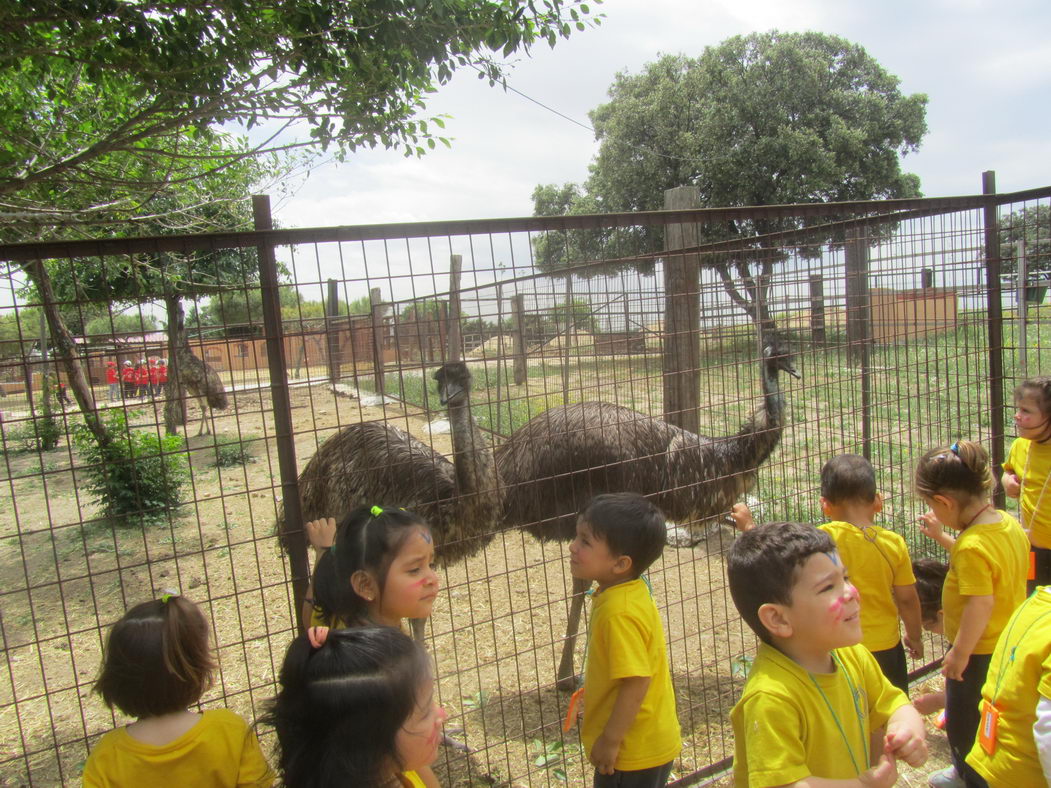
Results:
<point x="985" y="67"/>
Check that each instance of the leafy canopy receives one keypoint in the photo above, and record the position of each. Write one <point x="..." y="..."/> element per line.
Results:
<point x="110" y="92"/>
<point x="763" y="119"/>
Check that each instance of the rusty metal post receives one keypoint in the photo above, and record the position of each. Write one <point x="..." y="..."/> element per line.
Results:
<point x="454" y="350"/>
<point x="518" y="332"/>
<point x="283" y="437"/>
<point x="335" y="363"/>
<point x="817" y="309"/>
<point x="859" y="327"/>
<point x="377" y="340"/>
<point x="995" y="307"/>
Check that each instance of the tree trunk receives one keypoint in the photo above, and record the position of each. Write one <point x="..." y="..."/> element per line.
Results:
<point x="65" y="352"/>
<point x="755" y="298"/>
<point x="175" y="392"/>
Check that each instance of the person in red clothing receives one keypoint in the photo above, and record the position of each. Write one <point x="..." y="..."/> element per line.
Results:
<point x="142" y="378"/>
<point x="155" y="382"/>
<point x="113" y="381"/>
<point x="127" y="377"/>
<point x="162" y="374"/>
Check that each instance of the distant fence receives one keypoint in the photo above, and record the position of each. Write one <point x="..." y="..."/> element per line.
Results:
<point x="906" y="325"/>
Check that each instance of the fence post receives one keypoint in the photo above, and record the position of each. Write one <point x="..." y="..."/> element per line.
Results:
<point x="927" y="278"/>
<point x="995" y="308"/>
<point x="817" y="309"/>
<point x="518" y="332"/>
<point x="455" y="341"/>
<point x="859" y="328"/>
<point x="283" y="437"/>
<point x="335" y="363"/>
<point x="682" y="316"/>
<point x="568" y="326"/>
<point x="1022" y="280"/>
<point x="377" y="340"/>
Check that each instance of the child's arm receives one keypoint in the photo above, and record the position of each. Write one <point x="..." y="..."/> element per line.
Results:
<point x="977" y="611"/>
<point x="1042" y="736"/>
<point x="321" y="535"/>
<point x="908" y="603"/>
<point x="906" y="737"/>
<point x="883" y="775"/>
<point x="631" y="691"/>
<point x="932" y="527"/>
<point x="1011" y="483"/>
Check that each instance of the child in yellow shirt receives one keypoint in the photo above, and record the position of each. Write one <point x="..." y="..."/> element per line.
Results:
<point x="157" y="663"/>
<point x="630" y="730"/>
<point x="988" y="563"/>
<point x="814" y="695"/>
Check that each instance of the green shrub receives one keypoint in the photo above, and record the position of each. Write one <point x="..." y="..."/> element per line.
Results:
<point x="232" y="451"/>
<point x="138" y="477"/>
<point x="46" y="426"/>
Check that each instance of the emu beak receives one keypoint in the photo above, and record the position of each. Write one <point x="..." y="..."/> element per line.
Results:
<point x="449" y="390"/>
<point x="790" y="368"/>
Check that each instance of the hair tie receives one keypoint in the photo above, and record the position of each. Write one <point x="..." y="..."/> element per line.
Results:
<point x="376" y="511"/>
<point x="168" y="593"/>
<point x="165" y="598"/>
<point x="317" y="636"/>
<point x="955" y="448"/>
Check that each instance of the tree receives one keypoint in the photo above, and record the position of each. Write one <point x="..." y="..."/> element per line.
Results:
<point x="99" y="329"/>
<point x="107" y="96"/>
<point x="763" y="119"/>
<point x="1031" y="224"/>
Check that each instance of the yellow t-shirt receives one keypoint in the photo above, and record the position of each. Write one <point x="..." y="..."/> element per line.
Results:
<point x="1033" y="480"/>
<point x="220" y="751"/>
<point x="319" y="619"/>
<point x="1019" y="673"/>
<point x="784" y="730"/>
<point x="626" y="640"/>
<point x="986" y="559"/>
<point x="412" y="780"/>
<point x="877" y="560"/>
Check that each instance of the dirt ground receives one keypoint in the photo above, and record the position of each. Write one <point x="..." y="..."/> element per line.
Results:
<point x="495" y="635"/>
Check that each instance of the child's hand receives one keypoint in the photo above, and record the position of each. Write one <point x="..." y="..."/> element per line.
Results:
<point x="915" y="649"/>
<point x="929" y="702"/>
<point x="1012" y="484"/>
<point x="906" y="743"/>
<point x="931" y="526"/>
<point x="604" y="754"/>
<point x="742" y="517"/>
<point x="954" y="664"/>
<point x="321" y="533"/>
<point x="883" y="775"/>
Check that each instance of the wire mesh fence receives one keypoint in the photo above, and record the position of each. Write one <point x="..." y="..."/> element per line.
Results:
<point x="907" y="322"/>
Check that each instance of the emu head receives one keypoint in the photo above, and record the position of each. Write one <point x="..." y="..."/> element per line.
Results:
<point x="778" y="356"/>
<point x="454" y="383"/>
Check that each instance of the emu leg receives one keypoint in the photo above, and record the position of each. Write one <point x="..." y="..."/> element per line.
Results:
<point x="567" y="679"/>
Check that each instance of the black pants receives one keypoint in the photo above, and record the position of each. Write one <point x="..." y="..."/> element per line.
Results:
<point x="656" y="777"/>
<point x="1042" y="560"/>
<point x="892" y="663"/>
<point x="962" y="715"/>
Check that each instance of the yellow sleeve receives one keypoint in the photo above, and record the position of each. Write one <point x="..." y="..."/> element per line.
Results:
<point x="884" y="697"/>
<point x="1013" y="457"/>
<point x="254" y="771"/>
<point x="973" y="572"/>
<point x="629" y="656"/>
<point x="773" y="743"/>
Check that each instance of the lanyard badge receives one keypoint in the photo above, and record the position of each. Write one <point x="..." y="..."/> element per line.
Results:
<point x="989" y="725"/>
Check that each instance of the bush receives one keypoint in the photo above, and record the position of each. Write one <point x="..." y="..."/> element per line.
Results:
<point x="231" y="452"/>
<point x="38" y="434"/>
<point x="138" y="477"/>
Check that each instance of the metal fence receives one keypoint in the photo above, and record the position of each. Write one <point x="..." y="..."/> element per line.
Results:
<point x="909" y="323"/>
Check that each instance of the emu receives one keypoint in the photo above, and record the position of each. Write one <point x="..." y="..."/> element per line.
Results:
<point x="556" y="462"/>
<point x="201" y="382"/>
<point x="375" y="463"/>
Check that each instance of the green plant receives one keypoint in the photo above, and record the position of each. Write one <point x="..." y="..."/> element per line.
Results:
<point x="46" y="425"/>
<point x="476" y="701"/>
<point x="136" y="477"/>
<point x="550" y="755"/>
<point x="230" y="451"/>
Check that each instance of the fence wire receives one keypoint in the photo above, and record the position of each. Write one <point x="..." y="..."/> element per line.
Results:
<point x="909" y="323"/>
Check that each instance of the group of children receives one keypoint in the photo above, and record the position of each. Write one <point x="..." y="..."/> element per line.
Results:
<point x="136" y="380"/>
<point x="825" y="703"/>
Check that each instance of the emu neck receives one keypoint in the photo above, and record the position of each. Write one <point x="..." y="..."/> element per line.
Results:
<point x="472" y="455"/>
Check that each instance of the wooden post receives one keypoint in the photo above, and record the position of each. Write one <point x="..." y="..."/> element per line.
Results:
<point x="455" y="340"/>
<point x="995" y="321"/>
<point x="817" y="309"/>
<point x="682" y="316"/>
<point x="283" y="436"/>
<point x="518" y="332"/>
<point x="568" y="325"/>
<point x="858" y="327"/>
<point x="927" y="278"/>
<point x="1022" y="277"/>
<point x="335" y="363"/>
<point x="377" y="339"/>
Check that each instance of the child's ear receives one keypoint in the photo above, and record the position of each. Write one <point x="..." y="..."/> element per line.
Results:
<point x="622" y="565"/>
<point x="774" y="617"/>
<point x="826" y="505"/>
<point x="877" y="504"/>
<point x="364" y="585"/>
<point x="946" y="500"/>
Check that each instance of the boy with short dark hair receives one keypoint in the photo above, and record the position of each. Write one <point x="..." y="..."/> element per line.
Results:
<point x="630" y="730"/>
<point x="814" y="695"/>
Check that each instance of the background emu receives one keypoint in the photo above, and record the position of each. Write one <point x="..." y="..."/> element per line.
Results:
<point x="201" y="382"/>
<point x="556" y="462"/>
<point x="375" y="463"/>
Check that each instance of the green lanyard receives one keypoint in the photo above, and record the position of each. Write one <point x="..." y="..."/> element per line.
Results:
<point x="1010" y="652"/>
<point x="857" y="712"/>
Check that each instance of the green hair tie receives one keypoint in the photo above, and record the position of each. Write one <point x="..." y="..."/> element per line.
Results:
<point x="376" y="511"/>
<point x="165" y="598"/>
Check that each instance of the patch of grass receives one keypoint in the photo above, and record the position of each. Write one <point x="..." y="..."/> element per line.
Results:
<point x="231" y="451"/>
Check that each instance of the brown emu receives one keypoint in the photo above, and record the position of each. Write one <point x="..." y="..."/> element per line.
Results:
<point x="556" y="462"/>
<point x="201" y="382"/>
<point x="375" y="463"/>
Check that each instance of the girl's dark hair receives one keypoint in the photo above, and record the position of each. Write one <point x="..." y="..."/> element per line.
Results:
<point x="367" y="539"/>
<point x="930" y="580"/>
<point x="156" y="659"/>
<point x="961" y="469"/>
<point x="1039" y="388"/>
<point x="340" y="707"/>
